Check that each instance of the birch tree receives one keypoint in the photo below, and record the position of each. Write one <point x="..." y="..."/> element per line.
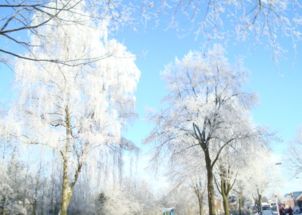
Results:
<point x="73" y="110"/>
<point x="205" y="108"/>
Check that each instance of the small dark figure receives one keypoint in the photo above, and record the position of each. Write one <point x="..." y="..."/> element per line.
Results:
<point x="281" y="210"/>
<point x="290" y="211"/>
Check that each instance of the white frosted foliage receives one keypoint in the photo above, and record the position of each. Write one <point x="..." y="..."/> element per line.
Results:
<point x="97" y="90"/>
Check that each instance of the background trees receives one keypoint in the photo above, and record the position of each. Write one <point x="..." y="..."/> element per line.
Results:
<point x="254" y="177"/>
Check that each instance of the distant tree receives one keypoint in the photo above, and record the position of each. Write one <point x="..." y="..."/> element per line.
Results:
<point x="229" y="165"/>
<point x="206" y="108"/>
<point x="74" y="110"/>
<point x="254" y="177"/>
<point x="294" y="151"/>
<point x="13" y="183"/>
<point x="190" y="176"/>
<point x="199" y="189"/>
<point x="225" y="185"/>
<point x="117" y="201"/>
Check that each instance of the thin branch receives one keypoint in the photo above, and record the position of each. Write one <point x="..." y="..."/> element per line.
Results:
<point x="220" y="150"/>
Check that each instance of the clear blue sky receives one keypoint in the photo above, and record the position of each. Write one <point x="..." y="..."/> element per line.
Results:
<point x="278" y="85"/>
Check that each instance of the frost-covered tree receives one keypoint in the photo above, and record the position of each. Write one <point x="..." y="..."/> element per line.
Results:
<point x="205" y="108"/>
<point x="199" y="189"/>
<point x="225" y="185"/>
<point x="73" y="110"/>
<point x="14" y="177"/>
<point x="230" y="163"/>
<point x="118" y="202"/>
<point x="190" y="176"/>
<point x="144" y="195"/>
<point x="182" y="199"/>
<point x="295" y="150"/>
<point x="254" y="178"/>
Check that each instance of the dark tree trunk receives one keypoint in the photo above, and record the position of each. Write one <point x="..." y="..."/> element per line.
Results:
<point x="259" y="201"/>
<point x="210" y="180"/>
<point x="240" y="203"/>
<point x="225" y="188"/>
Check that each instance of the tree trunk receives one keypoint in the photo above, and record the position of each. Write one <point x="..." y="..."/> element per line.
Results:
<point x="240" y="201"/>
<point x="259" y="202"/>
<point x="210" y="180"/>
<point x="239" y="206"/>
<point x="226" y="207"/>
<point x="211" y="193"/>
<point x="200" y="204"/>
<point x="66" y="186"/>
<point x="225" y="188"/>
<point x="34" y="207"/>
<point x="66" y="190"/>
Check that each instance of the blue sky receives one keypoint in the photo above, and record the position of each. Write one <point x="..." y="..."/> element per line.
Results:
<point x="278" y="85"/>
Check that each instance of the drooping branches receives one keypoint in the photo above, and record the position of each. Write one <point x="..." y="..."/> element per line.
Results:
<point x="75" y="110"/>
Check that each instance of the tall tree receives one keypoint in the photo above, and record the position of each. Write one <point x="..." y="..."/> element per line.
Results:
<point x="205" y="108"/>
<point x="75" y="109"/>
